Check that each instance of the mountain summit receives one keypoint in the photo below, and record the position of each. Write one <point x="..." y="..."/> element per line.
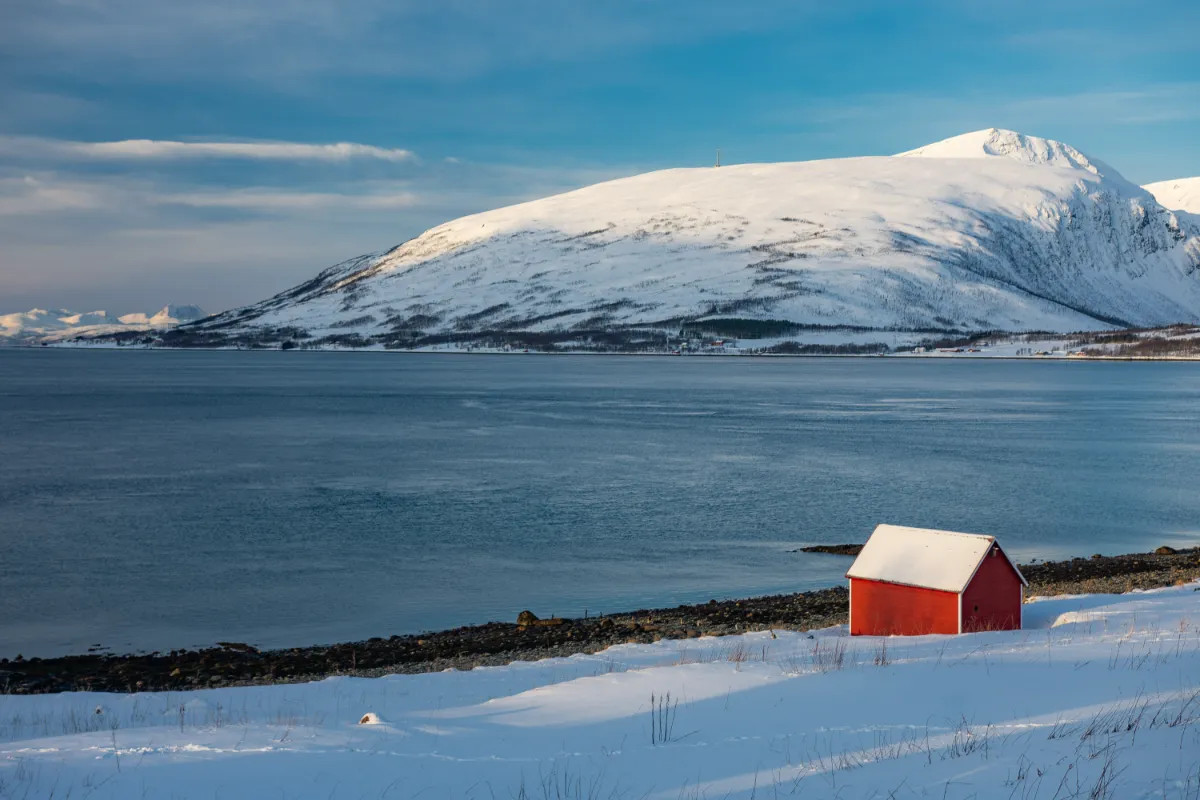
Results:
<point x="991" y="230"/>
<point x="1182" y="194"/>
<point x="169" y="315"/>
<point x="999" y="143"/>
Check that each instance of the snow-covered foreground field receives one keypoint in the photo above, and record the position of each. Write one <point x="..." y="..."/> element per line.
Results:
<point x="1098" y="697"/>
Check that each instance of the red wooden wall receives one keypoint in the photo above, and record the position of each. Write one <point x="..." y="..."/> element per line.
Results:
<point x="992" y="600"/>
<point x="889" y="609"/>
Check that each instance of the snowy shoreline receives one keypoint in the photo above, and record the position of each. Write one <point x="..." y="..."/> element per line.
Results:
<point x="502" y="643"/>
<point x="905" y="356"/>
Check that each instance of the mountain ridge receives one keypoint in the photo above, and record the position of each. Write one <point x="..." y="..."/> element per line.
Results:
<point x="1180" y="194"/>
<point x="45" y="325"/>
<point x="991" y="230"/>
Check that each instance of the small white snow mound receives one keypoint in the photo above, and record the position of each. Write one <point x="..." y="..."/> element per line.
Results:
<point x="370" y="718"/>
<point x="997" y="142"/>
<point x="1182" y="194"/>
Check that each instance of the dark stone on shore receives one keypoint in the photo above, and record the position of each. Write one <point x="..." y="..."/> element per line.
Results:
<point x="498" y="643"/>
<point x="833" y="549"/>
<point x="1112" y="574"/>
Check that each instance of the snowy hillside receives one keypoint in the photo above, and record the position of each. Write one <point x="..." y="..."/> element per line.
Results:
<point x="991" y="230"/>
<point x="1099" y="697"/>
<point x="1179" y="195"/>
<point x="38" y="325"/>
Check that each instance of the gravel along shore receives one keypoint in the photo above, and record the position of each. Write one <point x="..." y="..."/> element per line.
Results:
<point x="530" y="638"/>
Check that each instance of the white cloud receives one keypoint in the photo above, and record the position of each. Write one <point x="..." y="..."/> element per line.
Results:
<point x="41" y="195"/>
<point x="293" y="201"/>
<point x="286" y="151"/>
<point x="138" y="237"/>
<point x="162" y="150"/>
<point x="29" y="195"/>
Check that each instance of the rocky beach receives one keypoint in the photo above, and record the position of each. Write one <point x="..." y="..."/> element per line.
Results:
<point x="529" y="638"/>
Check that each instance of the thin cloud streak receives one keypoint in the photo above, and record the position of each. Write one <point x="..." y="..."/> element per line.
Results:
<point x="298" y="201"/>
<point x="164" y="150"/>
<point x="32" y="196"/>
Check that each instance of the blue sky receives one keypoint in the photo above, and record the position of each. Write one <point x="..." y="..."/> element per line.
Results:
<point x="155" y="152"/>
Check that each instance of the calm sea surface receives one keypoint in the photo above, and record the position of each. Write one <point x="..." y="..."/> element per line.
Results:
<point x="152" y="500"/>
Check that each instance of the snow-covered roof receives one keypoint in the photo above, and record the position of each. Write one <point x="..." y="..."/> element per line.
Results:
<point x="931" y="559"/>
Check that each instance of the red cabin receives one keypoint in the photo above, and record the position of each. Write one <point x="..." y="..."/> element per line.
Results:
<point x="913" y="581"/>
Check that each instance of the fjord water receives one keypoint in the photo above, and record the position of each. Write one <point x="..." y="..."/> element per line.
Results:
<point x="155" y="499"/>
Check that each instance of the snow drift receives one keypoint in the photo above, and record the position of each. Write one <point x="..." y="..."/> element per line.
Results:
<point x="991" y="230"/>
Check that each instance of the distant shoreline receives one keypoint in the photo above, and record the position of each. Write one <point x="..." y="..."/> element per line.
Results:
<point x="889" y="356"/>
<point x="500" y="643"/>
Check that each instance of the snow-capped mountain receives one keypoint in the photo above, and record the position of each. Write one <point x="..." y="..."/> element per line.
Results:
<point x="1009" y="144"/>
<point x="991" y="230"/>
<point x="168" y="316"/>
<point x="38" y="325"/>
<point x="1182" y="194"/>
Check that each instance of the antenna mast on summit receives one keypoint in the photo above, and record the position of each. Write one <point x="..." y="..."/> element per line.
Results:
<point x="718" y="156"/>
